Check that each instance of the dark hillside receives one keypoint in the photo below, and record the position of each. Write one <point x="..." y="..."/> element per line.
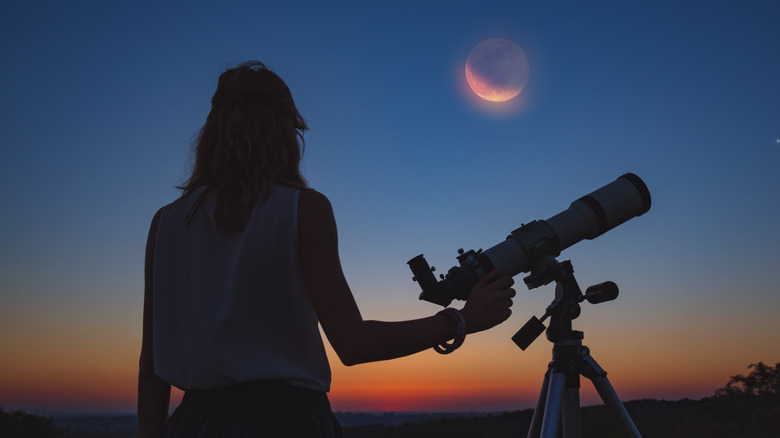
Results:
<point x="708" y="418"/>
<point x="747" y="407"/>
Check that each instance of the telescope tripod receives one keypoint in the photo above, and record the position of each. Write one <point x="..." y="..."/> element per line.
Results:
<point x="559" y="398"/>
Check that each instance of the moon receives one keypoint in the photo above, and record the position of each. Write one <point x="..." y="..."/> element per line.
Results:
<point x="497" y="70"/>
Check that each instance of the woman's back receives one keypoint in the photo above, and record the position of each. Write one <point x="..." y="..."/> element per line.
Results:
<point x="218" y="294"/>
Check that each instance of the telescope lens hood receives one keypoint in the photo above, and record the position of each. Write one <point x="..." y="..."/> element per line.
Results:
<point x="644" y="192"/>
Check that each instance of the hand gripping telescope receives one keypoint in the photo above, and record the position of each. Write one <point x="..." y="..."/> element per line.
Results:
<point x="586" y="218"/>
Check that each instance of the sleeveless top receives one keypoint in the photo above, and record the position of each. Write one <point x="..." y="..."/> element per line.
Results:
<point x="231" y="307"/>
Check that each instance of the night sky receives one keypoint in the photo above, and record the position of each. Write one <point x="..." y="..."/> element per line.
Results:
<point x="100" y="102"/>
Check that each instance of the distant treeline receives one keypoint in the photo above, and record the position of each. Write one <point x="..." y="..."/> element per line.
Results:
<point x="707" y="418"/>
<point x="748" y="406"/>
<point x="19" y="424"/>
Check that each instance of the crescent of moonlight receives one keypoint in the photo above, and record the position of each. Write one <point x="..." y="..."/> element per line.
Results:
<point x="497" y="70"/>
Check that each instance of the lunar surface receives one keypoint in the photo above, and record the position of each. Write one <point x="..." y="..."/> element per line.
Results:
<point x="497" y="70"/>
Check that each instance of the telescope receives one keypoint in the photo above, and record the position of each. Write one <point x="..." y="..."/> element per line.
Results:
<point x="526" y="247"/>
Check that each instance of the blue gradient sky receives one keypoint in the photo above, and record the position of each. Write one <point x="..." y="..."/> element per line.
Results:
<point x="101" y="99"/>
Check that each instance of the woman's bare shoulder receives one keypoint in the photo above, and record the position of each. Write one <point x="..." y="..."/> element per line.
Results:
<point x="311" y="201"/>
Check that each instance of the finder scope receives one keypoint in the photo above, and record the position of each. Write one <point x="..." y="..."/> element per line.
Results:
<point x="586" y="218"/>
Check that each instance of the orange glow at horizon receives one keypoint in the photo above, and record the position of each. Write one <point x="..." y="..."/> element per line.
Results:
<point x="410" y="385"/>
<point x="63" y="372"/>
<point x="395" y="397"/>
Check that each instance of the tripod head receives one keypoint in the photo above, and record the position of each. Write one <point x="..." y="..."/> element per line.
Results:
<point x="566" y="305"/>
<point x="559" y="399"/>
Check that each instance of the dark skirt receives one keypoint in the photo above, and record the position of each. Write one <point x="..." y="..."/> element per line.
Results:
<point x="253" y="409"/>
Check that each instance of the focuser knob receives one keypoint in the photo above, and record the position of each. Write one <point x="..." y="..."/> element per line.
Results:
<point x="464" y="255"/>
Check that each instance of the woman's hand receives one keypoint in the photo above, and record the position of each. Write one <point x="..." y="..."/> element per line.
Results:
<point x="489" y="302"/>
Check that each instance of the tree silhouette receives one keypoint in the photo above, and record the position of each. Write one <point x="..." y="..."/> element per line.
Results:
<point x="763" y="381"/>
<point x="21" y="424"/>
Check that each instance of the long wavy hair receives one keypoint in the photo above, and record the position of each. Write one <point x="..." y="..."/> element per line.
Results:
<point x="251" y="141"/>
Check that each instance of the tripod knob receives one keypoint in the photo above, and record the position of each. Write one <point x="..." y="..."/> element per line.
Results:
<point x="598" y="293"/>
<point x="573" y="311"/>
<point x="528" y="333"/>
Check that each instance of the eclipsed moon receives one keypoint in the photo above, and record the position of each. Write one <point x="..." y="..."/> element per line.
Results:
<point x="497" y="70"/>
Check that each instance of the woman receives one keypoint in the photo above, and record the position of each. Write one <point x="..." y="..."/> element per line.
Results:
<point x="242" y="268"/>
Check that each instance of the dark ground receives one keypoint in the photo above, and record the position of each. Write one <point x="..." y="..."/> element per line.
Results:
<point x="751" y="417"/>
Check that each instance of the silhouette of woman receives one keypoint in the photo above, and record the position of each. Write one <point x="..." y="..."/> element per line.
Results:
<point x="241" y="270"/>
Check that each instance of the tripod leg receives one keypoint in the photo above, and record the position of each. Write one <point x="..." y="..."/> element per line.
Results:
<point x="572" y="421"/>
<point x="536" y="421"/>
<point x="552" y="412"/>
<point x="610" y="398"/>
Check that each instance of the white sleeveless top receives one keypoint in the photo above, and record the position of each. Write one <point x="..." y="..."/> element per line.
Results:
<point x="232" y="306"/>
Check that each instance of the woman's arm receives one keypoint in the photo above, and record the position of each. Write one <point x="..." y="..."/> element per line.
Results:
<point x="356" y="340"/>
<point x="153" y="392"/>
